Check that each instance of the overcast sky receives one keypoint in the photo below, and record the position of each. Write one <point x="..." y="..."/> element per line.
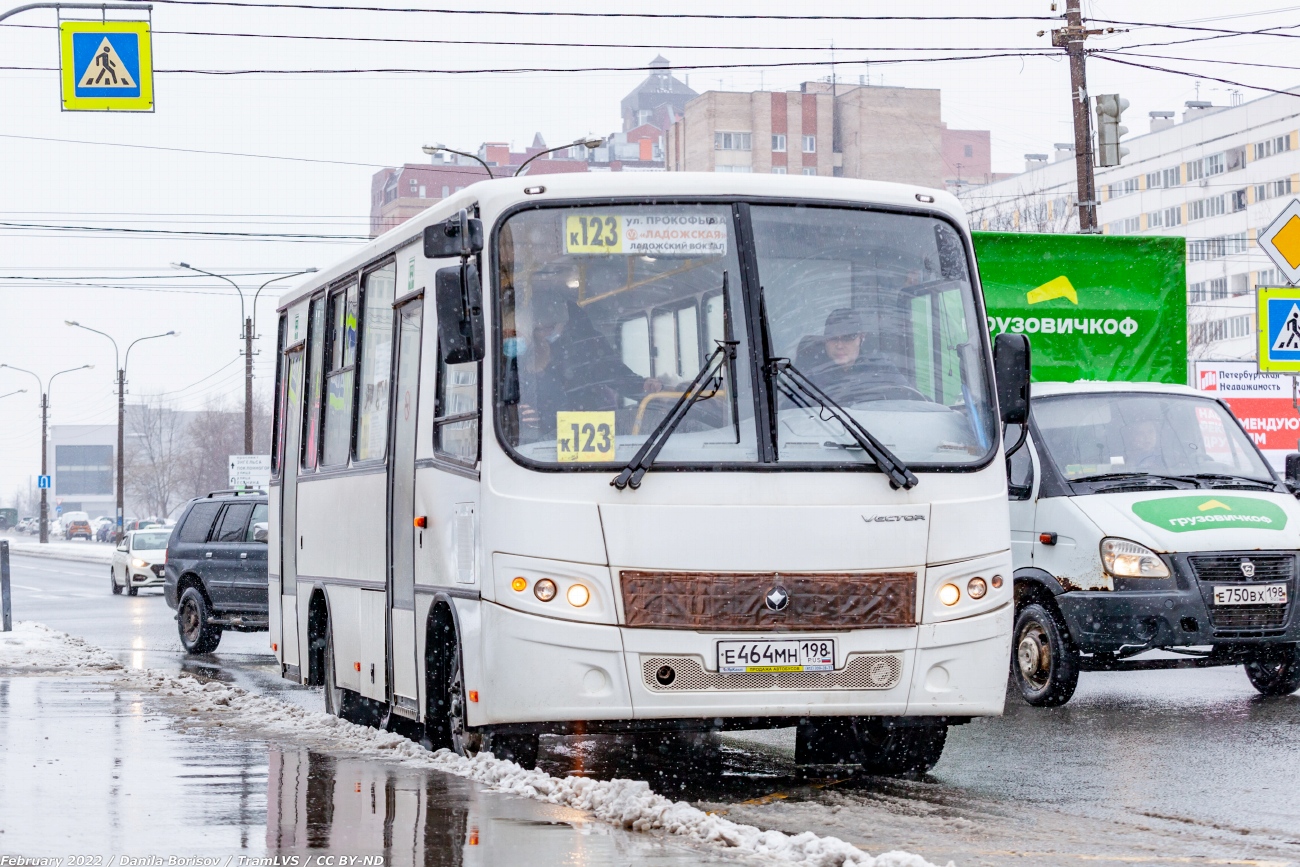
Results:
<point x="64" y="174"/>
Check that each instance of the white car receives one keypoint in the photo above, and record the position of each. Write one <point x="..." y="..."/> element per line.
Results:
<point x="139" y="560"/>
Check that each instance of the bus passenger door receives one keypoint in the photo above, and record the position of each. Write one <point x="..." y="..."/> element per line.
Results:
<point x="289" y="535"/>
<point x="401" y="509"/>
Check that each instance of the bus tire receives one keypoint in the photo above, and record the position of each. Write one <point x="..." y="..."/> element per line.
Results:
<point x="518" y="748"/>
<point x="1044" y="660"/>
<point x="112" y="579"/>
<point x="197" y="634"/>
<point x="464" y="740"/>
<point x="898" y="748"/>
<point x="1274" y="669"/>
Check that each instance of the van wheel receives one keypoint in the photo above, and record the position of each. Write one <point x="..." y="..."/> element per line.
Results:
<point x="197" y="634"/>
<point x="1044" y="659"/>
<point x="1275" y="669"/>
<point x="112" y="579"/>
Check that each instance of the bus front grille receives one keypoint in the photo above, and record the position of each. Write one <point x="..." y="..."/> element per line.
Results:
<point x="863" y="671"/>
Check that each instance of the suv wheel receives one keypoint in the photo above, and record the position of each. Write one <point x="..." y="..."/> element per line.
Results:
<point x="112" y="579"/>
<point x="198" y="635"/>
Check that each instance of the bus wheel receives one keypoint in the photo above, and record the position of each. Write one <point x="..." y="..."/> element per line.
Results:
<point x="1275" y="669"/>
<point x="518" y="748"/>
<point x="197" y="634"/>
<point x="463" y="741"/>
<point x="1044" y="660"/>
<point x="340" y="702"/>
<point x="898" y="748"/>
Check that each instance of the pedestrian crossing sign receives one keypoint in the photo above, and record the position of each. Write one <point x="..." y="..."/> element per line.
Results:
<point x="1278" y="312"/>
<point x="106" y="65"/>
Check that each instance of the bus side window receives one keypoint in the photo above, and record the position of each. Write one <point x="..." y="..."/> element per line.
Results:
<point x="634" y="344"/>
<point x="340" y="362"/>
<point x="456" y="415"/>
<point x="277" y="423"/>
<point x="312" y="405"/>
<point x="376" y="363"/>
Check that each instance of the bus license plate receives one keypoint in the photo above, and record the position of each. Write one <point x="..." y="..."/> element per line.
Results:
<point x="1246" y="594"/>
<point x="743" y="657"/>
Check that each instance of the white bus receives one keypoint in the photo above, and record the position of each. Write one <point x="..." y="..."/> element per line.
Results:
<point x="647" y="452"/>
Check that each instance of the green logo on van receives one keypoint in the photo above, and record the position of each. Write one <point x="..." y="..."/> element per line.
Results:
<point x="1181" y="514"/>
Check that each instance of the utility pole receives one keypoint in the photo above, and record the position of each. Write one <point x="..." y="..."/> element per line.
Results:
<point x="1071" y="37"/>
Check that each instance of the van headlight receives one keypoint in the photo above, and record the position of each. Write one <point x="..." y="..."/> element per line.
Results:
<point x="1124" y="559"/>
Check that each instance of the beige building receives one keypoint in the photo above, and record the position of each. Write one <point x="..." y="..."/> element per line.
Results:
<point x="878" y="133"/>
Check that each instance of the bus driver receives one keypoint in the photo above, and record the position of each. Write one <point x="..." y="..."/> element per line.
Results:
<point x="567" y="365"/>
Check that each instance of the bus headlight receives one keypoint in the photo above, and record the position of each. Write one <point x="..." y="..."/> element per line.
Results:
<point x="976" y="588"/>
<point x="949" y="594"/>
<point x="578" y="595"/>
<point x="1124" y="559"/>
<point x="544" y="589"/>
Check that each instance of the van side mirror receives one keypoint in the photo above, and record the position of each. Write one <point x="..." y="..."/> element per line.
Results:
<point x="458" y="297"/>
<point x="1011" y="368"/>
<point x="1293" y="473"/>
<point x="460" y="235"/>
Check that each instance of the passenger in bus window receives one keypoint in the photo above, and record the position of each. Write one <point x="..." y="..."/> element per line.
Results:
<point x="837" y="364"/>
<point x="567" y="365"/>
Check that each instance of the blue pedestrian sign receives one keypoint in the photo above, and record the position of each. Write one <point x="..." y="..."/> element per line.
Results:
<point x="43" y="482"/>
<point x="1278" y="312"/>
<point x="106" y="65"/>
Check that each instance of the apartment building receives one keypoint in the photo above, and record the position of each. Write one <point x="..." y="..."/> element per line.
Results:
<point x="1217" y="177"/>
<point x="831" y="130"/>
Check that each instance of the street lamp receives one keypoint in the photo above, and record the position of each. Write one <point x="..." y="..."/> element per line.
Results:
<point x="431" y="150"/>
<point x="590" y="143"/>
<point x="12" y="393"/>
<point x="121" y="411"/>
<point x="45" y="414"/>
<point x="248" y="341"/>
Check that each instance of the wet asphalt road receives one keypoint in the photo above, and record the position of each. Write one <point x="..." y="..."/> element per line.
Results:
<point x="1170" y="767"/>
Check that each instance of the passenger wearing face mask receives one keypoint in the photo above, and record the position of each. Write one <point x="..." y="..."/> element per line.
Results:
<point x="566" y="365"/>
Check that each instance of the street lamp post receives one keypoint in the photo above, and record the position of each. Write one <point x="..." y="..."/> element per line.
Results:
<point x="590" y="143"/>
<point x="12" y="393"/>
<point x="45" y="416"/>
<point x="247" y="337"/>
<point x="121" y="413"/>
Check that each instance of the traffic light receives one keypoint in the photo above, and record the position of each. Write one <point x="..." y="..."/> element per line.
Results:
<point x="1109" y="108"/>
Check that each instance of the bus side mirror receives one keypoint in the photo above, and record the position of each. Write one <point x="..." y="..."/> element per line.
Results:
<point x="1293" y="473"/>
<point x="460" y="235"/>
<point x="458" y="297"/>
<point x="1011" y="367"/>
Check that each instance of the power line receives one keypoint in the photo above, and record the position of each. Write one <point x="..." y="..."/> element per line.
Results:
<point x="635" y="15"/>
<point x="185" y="150"/>
<point x="264" y="236"/>
<point x="515" y="70"/>
<point x="1127" y="53"/>
<point x="1153" y="68"/>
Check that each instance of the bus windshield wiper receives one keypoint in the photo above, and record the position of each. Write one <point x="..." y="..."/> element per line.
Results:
<point x="706" y="384"/>
<point x="803" y="392"/>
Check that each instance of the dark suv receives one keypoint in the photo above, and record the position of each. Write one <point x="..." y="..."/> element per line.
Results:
<point x="216" y="575"/>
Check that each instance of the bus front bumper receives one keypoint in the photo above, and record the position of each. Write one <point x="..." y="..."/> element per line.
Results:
<point x="542" y="670"/>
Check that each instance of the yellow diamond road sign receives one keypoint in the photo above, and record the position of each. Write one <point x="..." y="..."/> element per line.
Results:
<point x="1281" y="241"/>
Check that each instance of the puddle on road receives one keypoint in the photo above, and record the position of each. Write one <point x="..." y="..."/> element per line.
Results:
<point x="88" y="767"/>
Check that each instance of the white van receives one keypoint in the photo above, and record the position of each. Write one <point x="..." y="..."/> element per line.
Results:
<point x="1143" y="517"/>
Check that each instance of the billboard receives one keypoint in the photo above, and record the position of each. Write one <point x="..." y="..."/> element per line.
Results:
<point x="1094" y="306"/>
<point x="1263" y="402"/>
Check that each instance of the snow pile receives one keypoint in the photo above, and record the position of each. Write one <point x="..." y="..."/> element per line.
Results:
<point x="58" y="549"/>
<point x="626" y="803"/>
<point x="36" y="649"/>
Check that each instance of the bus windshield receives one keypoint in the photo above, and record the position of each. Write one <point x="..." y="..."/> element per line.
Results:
<point x="607" y="313"/>
<point x="1162" y="434"/>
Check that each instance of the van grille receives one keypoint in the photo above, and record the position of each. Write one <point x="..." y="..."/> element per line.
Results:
<point x="863" y="671"/>
<point x="1218" y="567"/>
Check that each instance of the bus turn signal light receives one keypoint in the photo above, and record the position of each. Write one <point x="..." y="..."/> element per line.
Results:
<point x="357" y="666"/>
<point x="949" y="594"/>
<point x="473" y="696"/>
<point x="422" y="522"/>
<point x="519" y="585"/>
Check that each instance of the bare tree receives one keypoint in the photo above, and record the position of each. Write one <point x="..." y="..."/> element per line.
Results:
<point x="155" y="457"/>
<point x="213" y="434"/>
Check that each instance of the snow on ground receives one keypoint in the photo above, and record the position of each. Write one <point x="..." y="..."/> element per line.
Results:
<point x="86" y="552"/>
<point x="626" y="803"/>
<point x="36" y="649"/>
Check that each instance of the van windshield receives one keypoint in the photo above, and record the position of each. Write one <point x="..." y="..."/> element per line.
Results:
<point x="1162" y="434"/>
<point x="608" y="313"/>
